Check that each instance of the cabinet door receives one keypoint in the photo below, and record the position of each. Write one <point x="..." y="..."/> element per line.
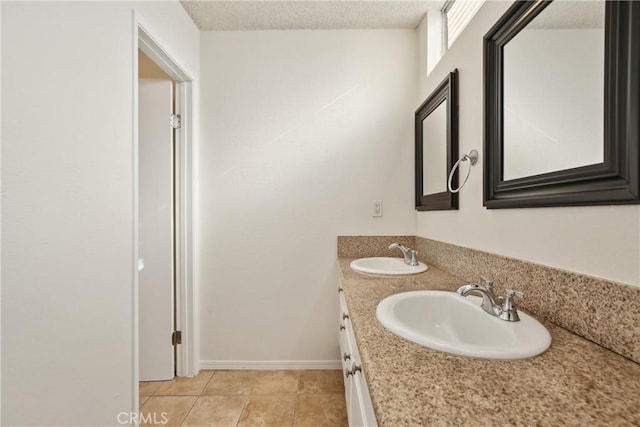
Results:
<point x="359" y="406"/>
<point x="362" y="402"/>
<point x="356" y="418"/>
<point x="344" y="349"/>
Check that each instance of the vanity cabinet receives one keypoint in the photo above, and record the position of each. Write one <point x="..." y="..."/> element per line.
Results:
<point x="359" y="406"/>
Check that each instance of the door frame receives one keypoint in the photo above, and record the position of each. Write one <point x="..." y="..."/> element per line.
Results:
<point x="187" y="362"/>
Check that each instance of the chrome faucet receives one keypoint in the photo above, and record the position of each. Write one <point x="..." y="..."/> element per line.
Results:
<point x="502" y="307"/>
<point x="409" y="254"/>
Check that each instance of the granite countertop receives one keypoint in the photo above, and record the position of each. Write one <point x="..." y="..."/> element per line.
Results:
<point x="575" y="382"/>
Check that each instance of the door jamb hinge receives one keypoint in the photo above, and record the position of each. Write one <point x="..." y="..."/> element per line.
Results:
<point x="176" y="338"/>
<point x="176" y="121"/>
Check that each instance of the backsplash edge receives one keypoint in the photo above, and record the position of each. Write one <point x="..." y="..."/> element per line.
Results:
<point x="371" y="246"/>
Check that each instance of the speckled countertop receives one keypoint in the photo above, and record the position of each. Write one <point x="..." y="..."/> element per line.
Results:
<point x="574" y="383"/>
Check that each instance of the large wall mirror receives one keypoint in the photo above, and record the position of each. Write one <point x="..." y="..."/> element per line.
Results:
<point x="562" y="105"/>
<point x="436" y="139"/>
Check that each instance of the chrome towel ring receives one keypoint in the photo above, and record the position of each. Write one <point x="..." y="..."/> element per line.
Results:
<point x="472" y="157"/>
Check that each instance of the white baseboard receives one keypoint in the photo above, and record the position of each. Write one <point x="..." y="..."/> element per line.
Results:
<point x="269" y="365"/>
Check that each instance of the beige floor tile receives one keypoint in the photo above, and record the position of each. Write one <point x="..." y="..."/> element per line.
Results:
<point x="184" y="386"/>
<point x="321" y="382"/>
<point x="166" y="410"/>
<point x="215" y="411"/>
<point x="275" y="382"/>
<point x="147" y="388"/>
<point x="321" y="410"/>
<point x="230" y="383"/>
<point x="267" y="411"/>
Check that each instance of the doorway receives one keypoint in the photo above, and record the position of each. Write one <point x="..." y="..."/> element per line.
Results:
<point x="176" y="303"/>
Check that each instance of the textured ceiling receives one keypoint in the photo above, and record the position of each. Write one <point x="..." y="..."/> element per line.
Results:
<point x="243" y="15"/>
<point x="570" y="14"/>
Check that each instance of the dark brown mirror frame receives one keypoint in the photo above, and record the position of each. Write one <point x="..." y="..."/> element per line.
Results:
<point x="614" y="181"/>
<point x="446" y="91"/>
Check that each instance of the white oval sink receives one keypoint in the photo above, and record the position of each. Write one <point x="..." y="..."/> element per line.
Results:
<point x="449" y="322"/>
<point x="386" y="265"/>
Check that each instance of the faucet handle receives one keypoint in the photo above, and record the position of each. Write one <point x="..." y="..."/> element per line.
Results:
<point x="509" y="311"/>
<point x="507" y="301"/>
<point x="413" y="257"/>
<point x="510" y="293"/>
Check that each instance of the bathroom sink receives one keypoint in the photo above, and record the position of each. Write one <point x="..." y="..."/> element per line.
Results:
<point x="386" y="266"/>
<point x="449" y="322"/>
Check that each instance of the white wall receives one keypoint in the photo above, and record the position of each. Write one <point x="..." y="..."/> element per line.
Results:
<point x="1" y="201"/>
<point x="67" y="176"/>
<point x="301" y="130"/>
<point x="602" y="241"/>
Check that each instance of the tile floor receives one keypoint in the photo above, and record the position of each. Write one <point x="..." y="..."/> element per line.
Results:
<point x="246" y="398"/>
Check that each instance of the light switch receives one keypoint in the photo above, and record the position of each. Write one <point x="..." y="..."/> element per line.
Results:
<point x="377" y="208"/>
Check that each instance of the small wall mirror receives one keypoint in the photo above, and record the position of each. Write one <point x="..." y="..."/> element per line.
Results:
<point x="436" y="140"/>
<point x="561" y="105"/>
